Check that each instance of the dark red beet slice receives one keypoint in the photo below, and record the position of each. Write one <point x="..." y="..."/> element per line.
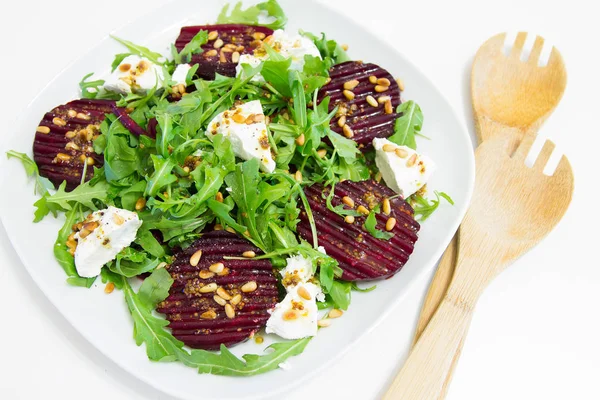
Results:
<point x="64" y="138"/>
<point x="365" y="121"/>
<point x="194" y="316"/>
<point x="360" y="255"/>
<point x="128" y="122"/>
<point x="242" y="39"/>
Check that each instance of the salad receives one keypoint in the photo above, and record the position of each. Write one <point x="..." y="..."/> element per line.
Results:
<point x="243" y="183"/>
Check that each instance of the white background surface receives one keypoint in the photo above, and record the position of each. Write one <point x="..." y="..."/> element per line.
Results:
<point x="535" y="332"/>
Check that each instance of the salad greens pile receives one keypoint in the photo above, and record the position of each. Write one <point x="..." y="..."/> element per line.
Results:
<point x="172" y="181"/>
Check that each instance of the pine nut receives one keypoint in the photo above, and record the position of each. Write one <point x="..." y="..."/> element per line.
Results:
<point x="258" y="339"/>
<point x="71" y="146"/>
<point x="43" y="129"/>
<point x="390" y="224"/>
<point x="381" y="88"/>
<point x="363" y="210"/>
<point x="259" y="118"/>
<point x="63" y="157"/>
<point x="119" y="220"/>
<point x="300" y="140"/>
<point x="109" y="288"/>
<point x="68" y="135"/>
<point x="348" y="132"/>
<point x="349" y="219"/>
<point x="348" y="94"/>
<point x="249" y="287"/>
<point x="218" y="227"/>
<point x="322" y="153"/>
<point x="213" y="35"/>
<point x="218" y="44"/>
<point x="378" y="177"/>
<point x="235" y="57"/>
<point x="258" y="35"/>
<point x="223" y="293"/>
<point x="59" y="121"/>
<point x="345" y="47"/>
<point x="412" y="160"/>
<point x="400" y="83"/>
<point x="383" y="99"/>
<point x="161" y="265"/>
<point x="204" y="274"/>
<point x="83" y="116"/>
<point x="387" y="206"/>
<point x="216" y="267"/>
<point x="373" y="79"/>
<point x="250" y="119"/>
<point x="302" y="292"/>
<point x="290" y="315"/>
<point x="211" y="287"/>
<point x="388" y="107"/>
<point x="82" y="158"/>
<point x="72" y="113"/>
<point x="351" y="84"/>
<point x="211" y="53"/>
<point x="384" y="82"/>
<point x="140" y="204"/>
<point x="91" y="226"/>
<point x="222" y="57"/>
<point x="249" y="254"/>
<point x="195" y="258"/>
<point x="239" y="118"/>
<point x="324" y="323"/>
<point x="342" y="121"/>
<point x="230" y="229"/>
<point x="372" y="102"/>
<point x="219" y="197"/>
<point x="335" y="313"/>
<point x="90" y="161"/>
<point x="236" y="299"/>
<point x="219" y="300"/>
<point x="298" y="176"/>
<point x="401" y="153"/>
<point x="210" y="314"/>
<point x="83" y="233"/>
<point x="388" y="147"/>
<point x="328" y="80"/>
<point x="229" y="311"/>
<point x="348" y="201"/>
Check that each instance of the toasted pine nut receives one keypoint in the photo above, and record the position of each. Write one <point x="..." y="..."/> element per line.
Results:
<point x="345" y="47"/>
<point x="63" y="157"/>
<point x="335" y="313"/>
<point x="349" y="219"/>
<point x="383" y="82"/>
<point x="70" y="134"/>
<point x="388" y="107"/>
<point x="400" y="83"/>
<point x="219" y="300"/>
<point x="324" y="323"/>
<point x="91" y="226"/>
<point x="211" y="287"/>
<point x="236" y="299"/>
<point x="258" y="35"/>
<point x="342" y="121"/>
<point x="213" y="35"/>
<point x="223" y="293"/>
<point x="195" y="258"/>
<point x="140" y="204"/>
<point x="290" y="315"/>
<point x="373" y="79"/>
<point x="372" y="102"/>
<point x="235" y="57"/>
<point x="300" y="140"/>
<point x="229" y="311"/>
<point x="90" y="161"/>
<point x="119" y="220"/>
<point x="249" y="254"/>
<point x="383" y="99"/>
<point x="71" y="146"/>
<point x="59" y="121"/>
<point x="381" y="88"/>
<point x="83" y="116"/>
<point x="347" y="200"/>
<point x="109" y="288"/>
<point x="249" y="287"/>
<point x="219" y="197"/>
<point x="363" y="210"/>
<point x="218" y="44"/>
<point x="298" y="176"/>
<point x="401" y="153"/>
<point x="302" y="292"/>
<point x="72" y="113"/>
<point x="322" y="153"/>
<point x="387" y="206"/>
<point x="412" y="160"/>
<point x="216" y="267"/>
<point x="204" y="274"/>
<point x="349" y="85"/>
<point x="211" y="53"/>
<point x="43" y="129"/>
<point x="210" y="314"/>
<point x="348" y="132"/>
<point x="239" y="118"/>
<point x="218" y="227"/>
<point x="388" y="147"/>
<point x="348" y="94"/>
<point x="378" y="177"/>
<point x="222" y="57"/>
<point x="390" y="224"/>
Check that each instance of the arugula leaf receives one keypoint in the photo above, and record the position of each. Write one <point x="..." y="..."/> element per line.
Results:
<point x="84" y="194"/>
<point x="62" y="255"/>
<point x="424" y="208"/>
<point x="331" y="52"/>
<point x="141" y="51"/>
<point x="91" y="89"/>
<point x="193" y="47"/>
<point x="407" y="125"/>
<point x="162" y="175"/>
<point x="371" y="223"/>
<point x="339" y="209"/>
<point x="356" y="288"/>
<point x="340" y="293"/>
<point x="222" y="211"/>
<point x="130" y="262"/>
<point x="155" y="288"/>
<point x="148" y="242"/>
<point x="256" y="15"/>
<point x="42" y="184"/>
<point x="117" y="61"/>
<point x="275" y="73"/>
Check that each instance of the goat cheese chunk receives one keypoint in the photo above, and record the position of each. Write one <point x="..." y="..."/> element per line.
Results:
<point x="104" y="234"/>
<point x="135" y="74"/>
<point x="403" y="169"/>
<point x="297" y="270"/>
<point x="296" y="316"/>
<point x="289" y="46"/>
<point x="180" y="74"/>
<point x="245" y="127"/>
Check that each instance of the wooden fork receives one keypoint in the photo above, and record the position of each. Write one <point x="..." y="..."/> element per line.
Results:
<point x="513" y="208"/>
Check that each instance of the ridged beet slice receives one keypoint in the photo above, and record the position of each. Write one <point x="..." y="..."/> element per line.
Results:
<point x="128" y="122"/>
<point x="360" y="255"/>
<point x="366" y="121"/>
<point x="64" y="138"/>
<point x="195" y="317"/>
<point x="240" y="39"/>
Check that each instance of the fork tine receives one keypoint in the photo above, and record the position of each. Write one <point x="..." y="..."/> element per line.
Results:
<point x="524" y="147"/>
<point x="563" y="170"/>
<point x="518" y="46"/>
<point x="555" y="57"/>
<point x="545" y="154"/>
<point x="536" y="50"/>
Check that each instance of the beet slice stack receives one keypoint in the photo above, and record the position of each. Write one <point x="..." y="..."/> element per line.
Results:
<point x="360" y="255"/>
<point x="366" y="121"/>
<point x="199" y="298"/>
<point x="64" y="138"/>
<point x="226" y="43"/>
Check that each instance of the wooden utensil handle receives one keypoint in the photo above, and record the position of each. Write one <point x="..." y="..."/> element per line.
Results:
<point x="424" y="374"/>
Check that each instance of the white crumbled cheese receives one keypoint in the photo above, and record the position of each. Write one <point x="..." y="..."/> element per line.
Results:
<point x="135" y="74"/>
<point x="297" y="270"/>
<point x="116" y="230"/>
<point x="295" y="317"/>
<point x="289" y="46"/>
<point x="248" y="140"/>
<point x="180" y="74"/>
<point x="403" y="169"/>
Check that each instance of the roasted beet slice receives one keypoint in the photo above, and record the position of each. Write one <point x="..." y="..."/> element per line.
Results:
<point x="64" y="138"/>
<point x="360" y="255"/>
<point x="226" y="43"/>
<point x="206" y="309"/>
<point x="364" y="118"/>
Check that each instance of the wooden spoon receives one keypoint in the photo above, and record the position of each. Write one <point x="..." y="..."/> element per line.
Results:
<point x="510" y="97"/>
<point x="513" y="208"/>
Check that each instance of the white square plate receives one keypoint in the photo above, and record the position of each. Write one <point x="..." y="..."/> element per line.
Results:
<point x="104" y="320"/>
